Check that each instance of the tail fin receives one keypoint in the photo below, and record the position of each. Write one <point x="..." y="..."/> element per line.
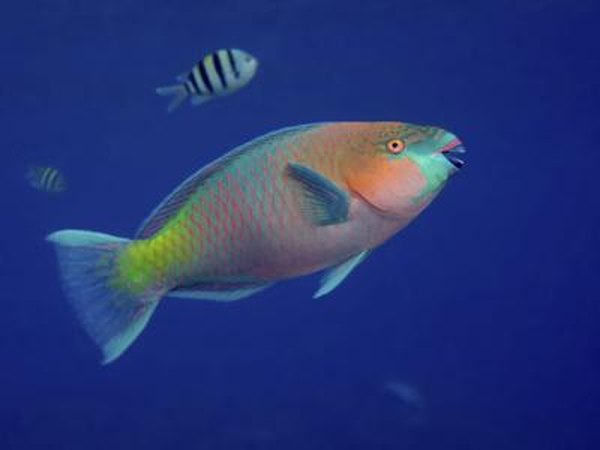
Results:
<point x="113" y="318"/>
<point x="177" y="91"/>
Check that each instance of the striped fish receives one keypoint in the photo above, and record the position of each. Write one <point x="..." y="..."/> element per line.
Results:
<point x="293" y="202"/>
<point x="219" y="73"/>
<point x="46" y="179"/>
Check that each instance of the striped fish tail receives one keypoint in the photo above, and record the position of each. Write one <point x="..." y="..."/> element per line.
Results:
<point x="179" y="92"/>
<point x="113" y="312"/>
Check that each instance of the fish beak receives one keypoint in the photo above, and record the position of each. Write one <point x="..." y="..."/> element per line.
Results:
<point x="451" y="150"/>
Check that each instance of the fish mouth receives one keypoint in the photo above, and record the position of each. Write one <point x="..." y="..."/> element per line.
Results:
<point x="451" y="150"/>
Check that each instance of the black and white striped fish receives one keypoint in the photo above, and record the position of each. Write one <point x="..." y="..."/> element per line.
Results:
<point x="219" y="73"/>
<point x="46" y="179"/>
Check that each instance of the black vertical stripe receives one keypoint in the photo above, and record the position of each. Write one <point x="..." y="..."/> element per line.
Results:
<point x="195" y="84"/>
<point x="236" y="72"/>
<point x="205" y="78"/>
<point x="51" y="181"/>
<point x="219" y="68"/>
<point x="44" y="178"/>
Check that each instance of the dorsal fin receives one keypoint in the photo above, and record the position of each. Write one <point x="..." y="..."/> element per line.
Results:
<point x="171" y="205"/>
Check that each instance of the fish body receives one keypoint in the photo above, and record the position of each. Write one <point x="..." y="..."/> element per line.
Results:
<point x="219" y="73"/>
<point x="46" y="179"/>
<point x="406" y="393"/>
<point x="290" y="203"/>
<point x="413" y="405"/>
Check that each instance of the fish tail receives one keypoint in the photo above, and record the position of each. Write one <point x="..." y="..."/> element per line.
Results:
<point x="177" y="91"/>
<point x="112" y="310"/>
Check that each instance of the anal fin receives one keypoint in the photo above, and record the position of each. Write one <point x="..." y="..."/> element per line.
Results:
<point x="199" y="99"/>
<point x="218" y="291"/>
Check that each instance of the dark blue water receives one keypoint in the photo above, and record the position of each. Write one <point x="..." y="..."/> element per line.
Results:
<point x="487" y="305"/>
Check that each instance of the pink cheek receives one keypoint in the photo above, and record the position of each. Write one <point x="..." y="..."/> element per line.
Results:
<point x="408" y="182"/>
<point x="391" y="186"/>
<point x="400" y="183"/>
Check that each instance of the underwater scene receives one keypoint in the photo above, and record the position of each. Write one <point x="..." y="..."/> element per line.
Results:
<point x="300" y="224"/>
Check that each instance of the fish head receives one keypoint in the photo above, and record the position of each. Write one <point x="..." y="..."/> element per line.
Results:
<point x="399" y="168"/>
<point x="246" y="63"/>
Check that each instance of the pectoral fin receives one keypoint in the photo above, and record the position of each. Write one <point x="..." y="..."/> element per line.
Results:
<point x="336" y="274"/>
<point x="325" y="203"/>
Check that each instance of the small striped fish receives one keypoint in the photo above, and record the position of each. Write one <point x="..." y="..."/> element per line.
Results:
<point x="219" y="73"/>
<point x="46" y="179"/>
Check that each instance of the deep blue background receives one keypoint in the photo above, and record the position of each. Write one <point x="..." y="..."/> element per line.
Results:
<point x="488" y="304"/>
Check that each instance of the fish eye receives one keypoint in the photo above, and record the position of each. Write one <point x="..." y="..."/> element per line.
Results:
<point x="395" y="146"/>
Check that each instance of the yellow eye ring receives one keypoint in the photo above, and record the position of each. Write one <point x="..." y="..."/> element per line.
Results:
<point x="395" y="146"/>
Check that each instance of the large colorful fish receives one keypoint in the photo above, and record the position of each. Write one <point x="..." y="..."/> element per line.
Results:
<point x="286" y="204"/>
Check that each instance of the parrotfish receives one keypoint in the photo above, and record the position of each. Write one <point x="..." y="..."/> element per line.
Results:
<point x="292" y="202"/>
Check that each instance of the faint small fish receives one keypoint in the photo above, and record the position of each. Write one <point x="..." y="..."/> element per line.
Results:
<point x="217" y="74"/>
<point x="46" y="179"/>
<point x="411" y="400"/>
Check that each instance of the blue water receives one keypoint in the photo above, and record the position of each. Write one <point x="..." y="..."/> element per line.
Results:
<point x="487" y="305"/>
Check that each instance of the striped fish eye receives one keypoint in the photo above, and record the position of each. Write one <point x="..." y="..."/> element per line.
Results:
<point x="396" y="146"/>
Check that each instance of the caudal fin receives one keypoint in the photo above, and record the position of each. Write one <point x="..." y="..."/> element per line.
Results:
<point x="111" y="316"/>
<point x="177" y="91"/>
